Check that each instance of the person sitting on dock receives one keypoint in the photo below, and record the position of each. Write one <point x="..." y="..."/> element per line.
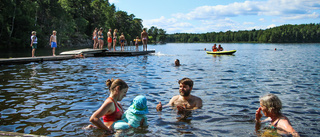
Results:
<point x="34" y="42"/>
<point x="220" y="48"/>
<point x="53" y="42"/>
<point x="185" y="101"/>
<point x="122" y="40"/>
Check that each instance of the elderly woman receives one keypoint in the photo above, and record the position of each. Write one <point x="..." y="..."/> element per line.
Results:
<point x="271" y="107"/>
<point x="110" y="110"/>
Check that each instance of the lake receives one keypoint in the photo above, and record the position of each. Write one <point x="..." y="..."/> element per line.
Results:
<point x="56" y="98"/>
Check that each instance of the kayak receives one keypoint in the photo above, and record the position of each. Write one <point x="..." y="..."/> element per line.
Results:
<point x="229" y="52"/>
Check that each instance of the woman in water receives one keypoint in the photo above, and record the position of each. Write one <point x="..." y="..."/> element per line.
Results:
<point x="100" y="37"/>
<point x="110" y="110"/>
<point x="271" y="107"/>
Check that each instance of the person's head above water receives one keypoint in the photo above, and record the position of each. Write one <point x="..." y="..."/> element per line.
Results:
<point x="272" y="103"/>
<point x="177" y="62"/>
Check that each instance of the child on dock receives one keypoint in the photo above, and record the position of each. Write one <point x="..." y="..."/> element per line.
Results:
<point x="53" y="42"/>
<point x="34" y="42"/>
<point x="137" y="40"/>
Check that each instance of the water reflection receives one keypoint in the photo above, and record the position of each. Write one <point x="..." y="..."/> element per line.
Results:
<point x="56" y="98"/>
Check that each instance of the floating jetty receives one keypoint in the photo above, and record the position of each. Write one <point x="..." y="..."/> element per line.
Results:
<point x="15" y="134"/>
<point x="74" y="54"/>
<point x="104" y="52"/>
<point x="35" y="59"/>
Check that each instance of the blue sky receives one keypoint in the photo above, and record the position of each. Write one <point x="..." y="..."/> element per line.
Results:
<point x="201" y="16"/>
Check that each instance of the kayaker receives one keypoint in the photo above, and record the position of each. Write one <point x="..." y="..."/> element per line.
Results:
<point x="220" y="48"/>
<point x="214" y="48"/>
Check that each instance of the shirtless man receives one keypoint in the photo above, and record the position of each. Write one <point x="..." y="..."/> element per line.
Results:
<point x="144" y="37"/>
<point x="184" y="101"/>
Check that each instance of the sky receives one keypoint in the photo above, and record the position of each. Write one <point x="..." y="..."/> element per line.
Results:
<point x="202" y="16"/>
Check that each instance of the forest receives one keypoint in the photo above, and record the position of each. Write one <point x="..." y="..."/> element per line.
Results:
<point x="74" y="21"/>
<point x="303" y="33"/>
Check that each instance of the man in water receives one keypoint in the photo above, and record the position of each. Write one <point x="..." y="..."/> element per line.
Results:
<point x="185" y="101"/>
<point x="144" y="37"/>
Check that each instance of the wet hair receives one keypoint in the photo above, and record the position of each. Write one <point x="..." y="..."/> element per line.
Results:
<point x="186" y="81"/>
<point x="177" y="62"/>
<point x="272" y="103"/>
<point x="114" y="83"/>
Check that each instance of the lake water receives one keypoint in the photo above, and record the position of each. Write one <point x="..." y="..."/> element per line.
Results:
<point x="56" y="98"/>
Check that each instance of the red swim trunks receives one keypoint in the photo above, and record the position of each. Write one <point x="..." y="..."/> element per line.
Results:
<point x="109" y="39"/>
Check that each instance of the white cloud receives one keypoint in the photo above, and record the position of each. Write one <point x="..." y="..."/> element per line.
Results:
<point x="248" y="23"/>
<point x="271" y="8"/>
<point x="113" y="1"/>
<point x="271" y="26"/>
<point x="230" y="17"/>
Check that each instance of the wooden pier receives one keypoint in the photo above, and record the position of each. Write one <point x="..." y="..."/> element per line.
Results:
<point x="35" y="59"/>
<point x="104" y="52"/>
<point x="74" y="54"/>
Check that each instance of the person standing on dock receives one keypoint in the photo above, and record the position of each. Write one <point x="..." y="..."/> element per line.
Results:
<point x="122" y="39"/>
<point x="114" y="39"/>
<point x="109" y="39"/>
<point x="34" y="42"/>
<point x="144" y="37"/>
<point x="95" y="38"/>
<point x="137" y="40"/>
<point x="53" y="42"/>
<point x="100" y="38"/>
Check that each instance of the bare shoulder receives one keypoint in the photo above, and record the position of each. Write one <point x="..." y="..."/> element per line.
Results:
<point x="173" y="99"/>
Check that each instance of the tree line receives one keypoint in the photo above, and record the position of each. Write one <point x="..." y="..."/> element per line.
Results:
<point x="74" y="20"/>
<point x="303" y="33"/>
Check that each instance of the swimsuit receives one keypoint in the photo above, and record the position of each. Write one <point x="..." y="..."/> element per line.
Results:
<point x="101" y="35"/>
<point x="122" y="41"/>
<point x="116" y="115"/>
<point x="53" y="44"/>
<point x="35" y="42"/>
<point x="109" y="39"/>
<point x="275" y="124"/>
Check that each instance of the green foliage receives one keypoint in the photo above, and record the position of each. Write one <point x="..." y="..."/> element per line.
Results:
<point x="73" y="20"/>
<point x="304" y="33"/>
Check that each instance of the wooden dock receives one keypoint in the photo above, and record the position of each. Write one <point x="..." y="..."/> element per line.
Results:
<point x="35" y="59"/>
<point x="74" y="54"/>
<point x="16" y="134"/>
<point x="104" y="52"/>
